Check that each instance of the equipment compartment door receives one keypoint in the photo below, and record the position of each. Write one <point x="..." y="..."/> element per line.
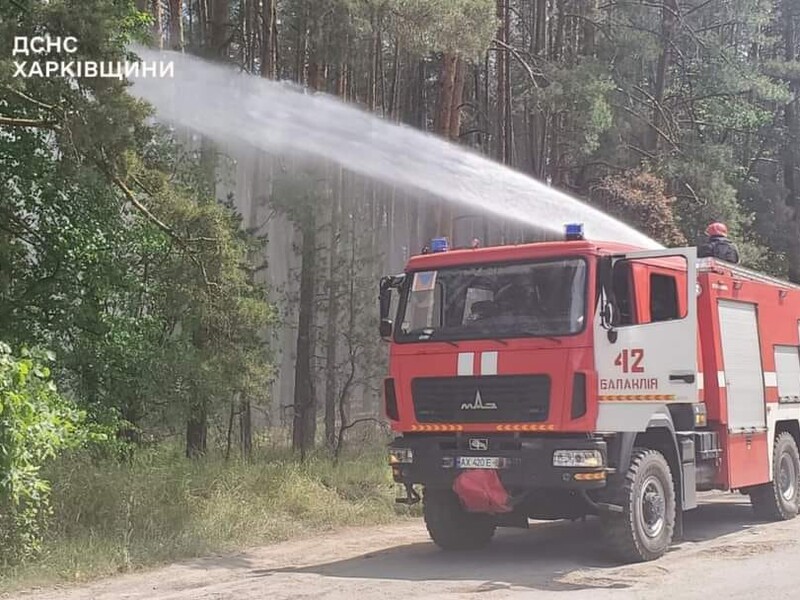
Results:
<point x="741" y="355"/>
<point x="647" y="351"/>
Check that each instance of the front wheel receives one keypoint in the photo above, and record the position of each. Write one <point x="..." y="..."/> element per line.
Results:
<point x="643" y="530"/>
<point x="450" y="526"/>
<point x="779" y="499"/>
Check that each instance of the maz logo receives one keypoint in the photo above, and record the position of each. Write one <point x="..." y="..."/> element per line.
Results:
<point x="478" y="444"/>
<point x="478" y="404"/>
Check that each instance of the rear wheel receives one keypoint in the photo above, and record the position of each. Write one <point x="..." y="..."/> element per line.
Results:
<point x="779" y="499"/>
<point x="643" y="530"/>
<point x="453" y="528"/>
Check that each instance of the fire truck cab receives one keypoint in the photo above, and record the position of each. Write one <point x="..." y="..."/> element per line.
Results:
<point x="562" y="379"/>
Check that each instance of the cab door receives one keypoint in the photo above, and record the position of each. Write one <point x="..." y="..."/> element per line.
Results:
<point x="646" y="332"/>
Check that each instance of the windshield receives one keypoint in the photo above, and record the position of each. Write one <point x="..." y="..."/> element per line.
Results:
<point x="546" y="298"/>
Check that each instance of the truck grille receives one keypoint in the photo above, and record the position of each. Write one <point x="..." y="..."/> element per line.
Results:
<point x="485" y="399"/>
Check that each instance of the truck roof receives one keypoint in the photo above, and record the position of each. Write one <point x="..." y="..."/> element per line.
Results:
<point x="711" y="265"/>
<point x="513" y="252"/>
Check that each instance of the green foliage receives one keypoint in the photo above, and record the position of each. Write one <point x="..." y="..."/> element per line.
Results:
<point x="580" y="94"/>
<point x="152" y="311"/>
<point x="35" y="424"/>
<point x="705" y="178"/>
<point x="715" y="114"/>
<point x="461" y="26"/>
<point x="783" y="69"/>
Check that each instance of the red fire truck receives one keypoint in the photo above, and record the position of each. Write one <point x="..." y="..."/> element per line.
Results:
<point x="562" y="379"/>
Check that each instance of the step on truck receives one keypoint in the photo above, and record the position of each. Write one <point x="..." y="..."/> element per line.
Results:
<point x="561" y="379"/>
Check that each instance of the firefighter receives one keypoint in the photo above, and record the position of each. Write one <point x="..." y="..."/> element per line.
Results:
<point x="718" y="244"/>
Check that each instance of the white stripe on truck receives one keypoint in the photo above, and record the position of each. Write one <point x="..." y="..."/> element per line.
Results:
<point x="466" y="360"/>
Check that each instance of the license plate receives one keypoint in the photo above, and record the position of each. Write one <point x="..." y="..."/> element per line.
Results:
<point x="478" y="462"/>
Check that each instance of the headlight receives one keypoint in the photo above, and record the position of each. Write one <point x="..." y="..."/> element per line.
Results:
<point x="577" y="458"/>
<point x="401" y="455"/>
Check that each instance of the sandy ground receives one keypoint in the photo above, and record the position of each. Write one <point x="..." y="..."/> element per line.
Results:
<point x="726" y="554"/>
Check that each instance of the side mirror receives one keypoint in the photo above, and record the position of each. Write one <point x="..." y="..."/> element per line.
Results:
<point x="607" y="315"/>
<point x="386" y="327"/>
<point x="608" y="310"/>
<point x="385" y="301"/>
<point x="387" y="284"/>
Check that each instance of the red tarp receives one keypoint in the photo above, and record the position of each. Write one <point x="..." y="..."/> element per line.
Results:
<point x="481" y="490"/>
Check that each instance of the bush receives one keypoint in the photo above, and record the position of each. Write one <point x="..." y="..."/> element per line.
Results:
<point x="35" y="423"/>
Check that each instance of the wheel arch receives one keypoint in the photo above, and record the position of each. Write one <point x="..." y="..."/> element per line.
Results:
<point x="790" y="426"/>
<point x="659" y="435"/>
<point x="781" y="418"/>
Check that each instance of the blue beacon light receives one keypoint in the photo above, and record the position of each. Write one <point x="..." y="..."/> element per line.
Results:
<point x="439" y="244"/>
<point x="573" y="231"/>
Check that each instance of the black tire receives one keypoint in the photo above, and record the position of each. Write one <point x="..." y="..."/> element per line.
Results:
<point x="450" y="526"/>
<point x="643" y="530"/>
<point x="778" y="500"/>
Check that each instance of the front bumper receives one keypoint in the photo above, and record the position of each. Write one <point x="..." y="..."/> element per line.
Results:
<point x="528" y="460"/>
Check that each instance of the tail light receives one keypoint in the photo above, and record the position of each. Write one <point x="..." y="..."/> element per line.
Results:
<point x="390" y="399"/>
<point x="578" y="395"/>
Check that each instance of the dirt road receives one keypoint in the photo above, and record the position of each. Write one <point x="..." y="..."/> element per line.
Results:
<point x="726" y="554"/>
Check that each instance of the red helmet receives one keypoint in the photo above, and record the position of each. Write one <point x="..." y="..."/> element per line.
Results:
<point x="717" y="229"/>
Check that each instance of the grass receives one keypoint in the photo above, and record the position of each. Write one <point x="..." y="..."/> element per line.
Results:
<point x="111" y="517"/>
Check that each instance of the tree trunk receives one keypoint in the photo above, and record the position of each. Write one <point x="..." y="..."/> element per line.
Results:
<point x="344" y="394"/>
<point x="447" y="77"/>
<point x="457" y="98"/>
<point x="540" y="28"/>
<point x="447" y="223"/>
<point x="246" y="429"/>
<point x="670" y="8"/>
<point x="437" y="212"/>
<point x="229" y="436"/>
<point x="380" y="71"/>
<point x="316" y="59"/>
<point x="421" y="115"/>
<point x="305" y="406"/>
<point x="503" y="85"/>
<point x="588" y="10"/>
<point x="203" y="23"/>
<point x="394" y="94"/>
<point x="332" y="335"/>
<point x="196" y="432"/>
<point x="301" y="50"/>
<point x="374" y="55"/>
<point x="176" y="25"/>
<point x="208" y="165"/>
<point x="269" y="40"/>
<point x="220" y="14"/>
<point x="158" y="23"/>
<point x="6" y="265"/>
<point x="555" y="149"/>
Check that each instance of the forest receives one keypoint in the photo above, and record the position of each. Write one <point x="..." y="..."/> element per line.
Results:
<point x="185" y="327"/>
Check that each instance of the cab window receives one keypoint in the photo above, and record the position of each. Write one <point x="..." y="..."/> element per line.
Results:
<point x="663" y="298"/>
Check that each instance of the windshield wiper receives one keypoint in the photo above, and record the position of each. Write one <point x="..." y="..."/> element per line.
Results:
<point x="428" y="334"/>
<point x="546" y="337"/>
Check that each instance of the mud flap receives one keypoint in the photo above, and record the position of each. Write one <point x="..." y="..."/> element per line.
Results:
<point x="480" y="490"/>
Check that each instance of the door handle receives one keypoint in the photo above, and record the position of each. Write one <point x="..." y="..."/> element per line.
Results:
<point x="685" y="378"/>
